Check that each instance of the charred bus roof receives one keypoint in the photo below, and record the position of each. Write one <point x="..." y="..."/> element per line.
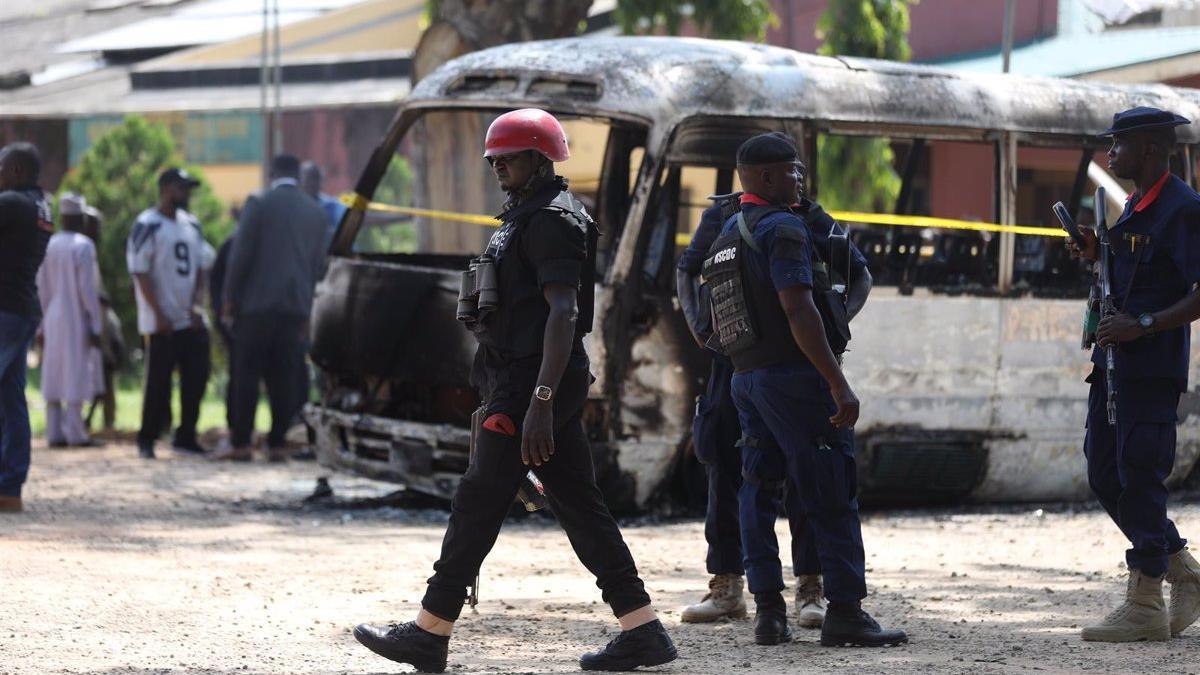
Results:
<point x="664" y="81"/>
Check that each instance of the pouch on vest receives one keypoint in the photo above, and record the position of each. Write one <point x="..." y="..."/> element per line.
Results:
<point x="733" y="322"/>
<point x="831" y="304"/>
<point x="729" y="205"/>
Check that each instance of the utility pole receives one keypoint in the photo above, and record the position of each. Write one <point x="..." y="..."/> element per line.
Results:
<point x="1006" y="182"/>
<point x="264" y="114"/>
<point x="1010" y="12"/>
<point x="277" y="140"/>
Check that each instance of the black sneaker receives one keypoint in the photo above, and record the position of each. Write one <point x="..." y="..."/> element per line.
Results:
<point x="850" y="626"/>
<point x="770" y="624"/>
<point x="406" y="643"/>
<point x="189" y="448"/>
<point x="146" y="450"/>
<point x="646" y="645"/>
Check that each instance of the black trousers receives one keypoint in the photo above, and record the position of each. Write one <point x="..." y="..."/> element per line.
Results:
<point x="187" y="350"/>
<point x="487" y="491"/>
<point x="267" y="347"/>
<point x="227" y="341"/>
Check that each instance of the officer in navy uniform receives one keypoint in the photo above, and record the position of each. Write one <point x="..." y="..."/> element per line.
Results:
<point x="795" y="407"/>
<point x="715" y="429"/>
<point x="531" y="306"/>
<point x="1155" y="265"/>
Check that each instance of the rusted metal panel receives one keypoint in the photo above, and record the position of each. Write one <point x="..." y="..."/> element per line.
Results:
<point x="666" y="80"/>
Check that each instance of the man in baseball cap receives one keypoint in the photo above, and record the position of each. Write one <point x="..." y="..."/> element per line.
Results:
<point x="169" y="259"/>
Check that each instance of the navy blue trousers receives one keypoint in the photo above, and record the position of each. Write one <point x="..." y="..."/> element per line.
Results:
<point x="16" y="332"/>
<point x="786" y="410"/>
<point x="715" y="433"/>
<point x="1128" y="465"/>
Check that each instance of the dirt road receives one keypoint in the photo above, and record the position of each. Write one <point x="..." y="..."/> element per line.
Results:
<point x="179" y="566"/>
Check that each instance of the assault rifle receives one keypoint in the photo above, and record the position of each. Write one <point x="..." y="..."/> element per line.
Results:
<point x="1103" y="271"/>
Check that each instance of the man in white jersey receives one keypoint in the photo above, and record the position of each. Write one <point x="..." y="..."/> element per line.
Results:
<point x="169" y="259"/>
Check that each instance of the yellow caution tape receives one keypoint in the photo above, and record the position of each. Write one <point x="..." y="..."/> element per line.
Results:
<point x="946" y="223"/>
<point x="358" y="202"/>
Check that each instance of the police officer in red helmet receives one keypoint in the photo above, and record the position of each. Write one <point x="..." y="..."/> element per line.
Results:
<point x="529" y="301"/>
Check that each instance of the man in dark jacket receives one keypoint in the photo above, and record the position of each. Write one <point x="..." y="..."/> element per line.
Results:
<point x="276" y="259"/>
<point x="25" y="229"/>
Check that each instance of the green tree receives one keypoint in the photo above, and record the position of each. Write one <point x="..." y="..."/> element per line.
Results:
<point x="725" y="19"/>
<point x="119" y="176"/>
<point x="858" y="173"/>
<point x="381" y="233"/>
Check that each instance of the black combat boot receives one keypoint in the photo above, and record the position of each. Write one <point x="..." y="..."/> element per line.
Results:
<point x="770" y="619"/>
<point x="406" y="643"/>
<point x="646" y="645"/>
<point x="847" y="625"/>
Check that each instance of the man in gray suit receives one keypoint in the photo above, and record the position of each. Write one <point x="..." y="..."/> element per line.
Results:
<point x="277" y="256"/>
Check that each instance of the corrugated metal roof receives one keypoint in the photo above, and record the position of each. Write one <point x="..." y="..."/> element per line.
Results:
<point x="109" y="91"/>
<point x="1079" y="54"/>
<point x="200" y="24"/>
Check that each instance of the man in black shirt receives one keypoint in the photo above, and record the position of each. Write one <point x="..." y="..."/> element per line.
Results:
<point x="25" y="229"/>
<point x="529" y="301"/>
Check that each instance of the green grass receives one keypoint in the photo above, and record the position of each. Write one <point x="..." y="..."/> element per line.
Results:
<point x="129" y="406"/>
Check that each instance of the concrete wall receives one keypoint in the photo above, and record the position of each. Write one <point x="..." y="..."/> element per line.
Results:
<point x="961" y="180"/>
<point x="226" y="145"/>
<point x="940" y="28"/>
<point x="341" y="140"/>
<point x="50" y="136"/>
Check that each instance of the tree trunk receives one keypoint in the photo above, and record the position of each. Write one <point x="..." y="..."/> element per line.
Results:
<point x="463" y="26"/>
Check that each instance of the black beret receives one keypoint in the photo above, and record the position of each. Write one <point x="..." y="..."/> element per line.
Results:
<point x="769" y="148"/>
<point x="1142" y="117"/>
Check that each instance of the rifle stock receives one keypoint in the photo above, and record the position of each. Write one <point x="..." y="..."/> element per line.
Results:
<point x="1104" y="291"/>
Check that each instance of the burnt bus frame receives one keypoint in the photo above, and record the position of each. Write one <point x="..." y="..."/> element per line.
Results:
<point x="1067" y="117"/>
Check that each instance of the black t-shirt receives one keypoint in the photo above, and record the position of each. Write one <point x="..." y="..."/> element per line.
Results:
<point x="25" y="229"/>
<point x="541" y="246"/>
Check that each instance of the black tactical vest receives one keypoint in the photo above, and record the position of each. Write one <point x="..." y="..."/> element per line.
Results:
<point x="750" y="326"/>
<point x="517" y="325"/>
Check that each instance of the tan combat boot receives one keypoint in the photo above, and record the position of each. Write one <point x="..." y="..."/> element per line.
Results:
<point x="1143" y="615"/>
<point x="810" y="601"/>
<point x="1183" y="573"/>
<point x="724" y="599"/>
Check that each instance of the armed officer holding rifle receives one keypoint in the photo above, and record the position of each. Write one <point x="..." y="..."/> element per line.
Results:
<point x="1154" y="266"/>
<point x="774" y="316"/>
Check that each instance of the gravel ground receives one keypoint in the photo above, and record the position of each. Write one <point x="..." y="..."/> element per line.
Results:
<point x="181" y="566"/>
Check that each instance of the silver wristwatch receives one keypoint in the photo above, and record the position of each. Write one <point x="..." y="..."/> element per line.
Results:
<point x="543" y="393"/>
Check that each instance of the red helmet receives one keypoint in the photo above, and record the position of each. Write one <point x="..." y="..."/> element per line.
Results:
<point x="527" y="129"/>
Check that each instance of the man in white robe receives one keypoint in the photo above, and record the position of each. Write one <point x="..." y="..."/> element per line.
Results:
<point x="72" y="370"/>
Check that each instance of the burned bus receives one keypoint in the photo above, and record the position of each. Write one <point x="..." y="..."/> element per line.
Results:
<point x="967" y="357"/>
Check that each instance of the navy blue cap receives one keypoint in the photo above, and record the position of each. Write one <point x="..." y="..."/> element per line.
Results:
<point x="175" y="175"/>
<point x="769" y="148"/>
<point x="1142" y="117"/>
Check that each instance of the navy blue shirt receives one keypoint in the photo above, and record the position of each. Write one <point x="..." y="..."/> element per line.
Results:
<point x="820" y="227"/>
<point x="25" y="228"/>
<point x="1162" y="242"/>
<point x="692" y="259"/>
<point x="784" y="256"/>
